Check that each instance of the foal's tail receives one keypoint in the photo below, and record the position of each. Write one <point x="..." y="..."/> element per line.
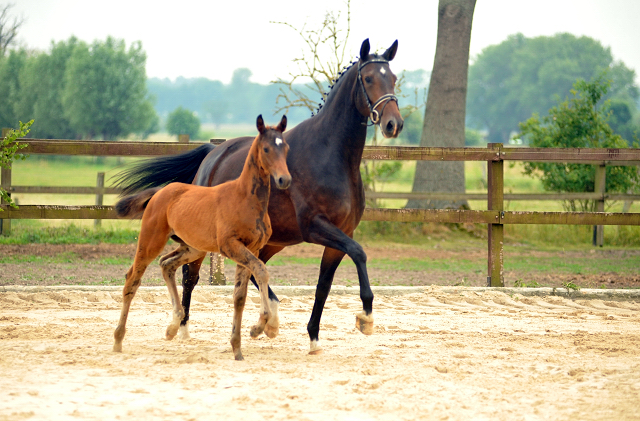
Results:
<point x="133" y="206"/>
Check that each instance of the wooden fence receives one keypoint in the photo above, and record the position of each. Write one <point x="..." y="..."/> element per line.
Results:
<point x="495" y="217"/>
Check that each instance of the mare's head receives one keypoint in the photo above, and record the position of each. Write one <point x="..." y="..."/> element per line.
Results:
<point x="376" y="90"/>
<point x="273" y="150"/>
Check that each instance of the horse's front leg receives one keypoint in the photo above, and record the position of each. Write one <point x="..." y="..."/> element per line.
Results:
<point x="337" y="244"/>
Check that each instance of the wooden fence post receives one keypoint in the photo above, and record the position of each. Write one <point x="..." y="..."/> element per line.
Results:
<point x="600" y="187"/>
<point x="99" y="196"/>
<point x="495" y="201"/>
<point x="183" y="138"/>
<point x="5" y="183"/>
<point x="216" y="269"/>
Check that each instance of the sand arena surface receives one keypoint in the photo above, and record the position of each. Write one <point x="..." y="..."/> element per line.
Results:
<point x="462" y="355"/>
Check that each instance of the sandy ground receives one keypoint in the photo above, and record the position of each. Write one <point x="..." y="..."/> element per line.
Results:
<point x="436" y="355"/>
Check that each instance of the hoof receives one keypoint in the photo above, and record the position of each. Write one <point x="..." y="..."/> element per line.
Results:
<point x="256" y="331"/>
<point x="315" y="348"/>
<point x="183" y="332"/>
<point x="117" y="347"/>
<point x="171" y="332"/>
<point x="271" y="331"/>
<point x="364" y="323"/>
<point x="239" y="356"/>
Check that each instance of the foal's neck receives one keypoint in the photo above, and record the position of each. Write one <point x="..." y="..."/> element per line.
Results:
<point x="254" y="178"/>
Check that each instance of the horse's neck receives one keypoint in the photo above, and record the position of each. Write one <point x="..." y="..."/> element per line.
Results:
<point x="345" y="127"/>
<point x="254" y="178"/>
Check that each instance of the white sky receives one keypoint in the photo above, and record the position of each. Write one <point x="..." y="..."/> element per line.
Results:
<point x="212" y="38"/>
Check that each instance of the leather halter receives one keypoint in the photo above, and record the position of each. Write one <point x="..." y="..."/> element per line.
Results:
<point x="374" y="115"/>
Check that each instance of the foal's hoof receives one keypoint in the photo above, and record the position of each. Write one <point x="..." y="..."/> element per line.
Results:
<point x="364" y="323"/>
<point x="238" y="356"/>
<point x="256" y="331"/>
<point x="117" y="347"/>
<point x="171" y="332"/>
<point x="271" y="331"/>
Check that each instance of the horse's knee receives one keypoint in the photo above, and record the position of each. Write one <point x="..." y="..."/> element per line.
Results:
<point x="357" y="254"/>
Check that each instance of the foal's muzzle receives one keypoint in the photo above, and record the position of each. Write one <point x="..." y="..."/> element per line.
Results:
<point x="283" y="182"/>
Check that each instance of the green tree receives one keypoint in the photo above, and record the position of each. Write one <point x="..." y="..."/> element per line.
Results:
<point x="577" y="122"/>
<point x="9" y="147"/>
<point x="42" y="83"/>
<point x="183" y="121"/>
<point x="105" y="93"/>
<point x="10" y="90"/>
<point x="510" y="81"/>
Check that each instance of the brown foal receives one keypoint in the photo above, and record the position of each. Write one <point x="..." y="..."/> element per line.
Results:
<point x="230" y="218"/>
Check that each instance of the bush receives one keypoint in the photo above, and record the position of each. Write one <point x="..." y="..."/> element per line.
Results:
<point x="578" y="122"/>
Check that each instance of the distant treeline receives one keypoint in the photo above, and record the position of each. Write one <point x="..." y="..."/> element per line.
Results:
<point x="240" y="101"/>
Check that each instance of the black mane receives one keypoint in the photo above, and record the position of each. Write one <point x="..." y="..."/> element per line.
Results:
<point x="328" y="95"/>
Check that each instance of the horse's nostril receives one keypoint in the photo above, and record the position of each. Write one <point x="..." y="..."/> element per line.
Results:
<point x="390" y="127"/>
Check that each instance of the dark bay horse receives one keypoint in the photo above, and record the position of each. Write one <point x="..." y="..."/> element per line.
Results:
<point x="326" y="199"/>
<point x="230" y="218"/>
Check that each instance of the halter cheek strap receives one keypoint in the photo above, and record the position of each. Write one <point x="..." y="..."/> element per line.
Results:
<point x="374" y="115"/>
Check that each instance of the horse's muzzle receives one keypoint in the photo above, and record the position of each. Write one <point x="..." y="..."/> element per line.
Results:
<point x="391" y="127"/>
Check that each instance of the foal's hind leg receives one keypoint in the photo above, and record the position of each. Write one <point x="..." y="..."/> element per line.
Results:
<point x="170" y="263"/>
<point x="147" y="250"/>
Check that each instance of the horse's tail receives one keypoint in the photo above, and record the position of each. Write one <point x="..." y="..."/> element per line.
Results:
<point x="157" y="172"/>
<point x="133" y="206"/>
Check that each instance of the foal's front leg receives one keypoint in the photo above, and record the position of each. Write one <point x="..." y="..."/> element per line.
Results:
<point x="239" y="300"/>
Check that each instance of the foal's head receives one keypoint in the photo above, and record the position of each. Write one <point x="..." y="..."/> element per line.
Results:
<point x="272" y="151"/>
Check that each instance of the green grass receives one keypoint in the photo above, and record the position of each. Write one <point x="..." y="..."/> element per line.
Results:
<point x="27" y="231"/>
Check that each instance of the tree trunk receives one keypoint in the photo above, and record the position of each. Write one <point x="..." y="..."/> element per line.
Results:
<point x="444" y="116"/>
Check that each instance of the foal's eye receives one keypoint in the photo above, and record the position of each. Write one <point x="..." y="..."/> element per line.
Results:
<point x="266" y="150"/>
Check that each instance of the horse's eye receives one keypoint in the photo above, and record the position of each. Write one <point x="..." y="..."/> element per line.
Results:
<point x="266" y="150"/>
<point x="368" y="79"/>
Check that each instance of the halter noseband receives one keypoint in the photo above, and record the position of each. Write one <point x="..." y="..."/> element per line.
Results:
<point x="374" y="115"/>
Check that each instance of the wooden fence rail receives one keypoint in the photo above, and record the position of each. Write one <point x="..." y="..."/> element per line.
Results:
<point x="495" y="217"/>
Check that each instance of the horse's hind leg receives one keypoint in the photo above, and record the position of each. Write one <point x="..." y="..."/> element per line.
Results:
<point x="170" y="263"/>
<point x="190" y="277"/>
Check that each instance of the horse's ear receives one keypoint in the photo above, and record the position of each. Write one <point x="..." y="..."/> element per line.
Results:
<point x="364" y="50"/>
<point x="391" y="51"/>
<point x="260" y="124"/>
<point x="283" y="124"/>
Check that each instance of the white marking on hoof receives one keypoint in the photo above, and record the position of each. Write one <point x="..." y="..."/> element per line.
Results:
<point x="315" y="348"/>
<point x="183" y="332"/>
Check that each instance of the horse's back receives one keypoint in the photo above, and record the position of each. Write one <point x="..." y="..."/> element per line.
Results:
<point x="223" y="163"/>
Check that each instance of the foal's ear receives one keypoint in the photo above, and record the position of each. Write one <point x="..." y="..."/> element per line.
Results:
<point x="391" y="51"/>
<point x="260" y="124"/>
<point x="283" y="124"/>
<point x="364" y="50"/>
